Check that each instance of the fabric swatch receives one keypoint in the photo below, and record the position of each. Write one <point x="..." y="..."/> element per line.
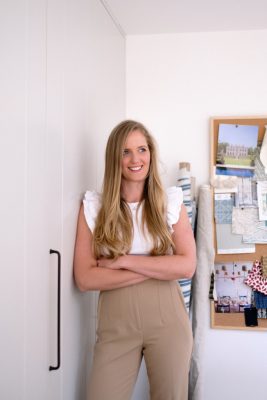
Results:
<point x="262" y="313"/>
<point x="223" y="208"/>
<point x="244" y="219"/>
<point x="255" y="278"/>
<point x="230" y="243"/>
<point x="247" y="193"/>
<point x="184" y="182"/>
<point x="260" y="299"/>
<point x="259" y="235"/>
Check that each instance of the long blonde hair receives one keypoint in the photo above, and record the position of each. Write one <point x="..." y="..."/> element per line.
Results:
<point x="113" y="233"/>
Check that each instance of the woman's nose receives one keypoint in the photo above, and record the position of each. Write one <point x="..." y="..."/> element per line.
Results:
<point x="134" y="157"/>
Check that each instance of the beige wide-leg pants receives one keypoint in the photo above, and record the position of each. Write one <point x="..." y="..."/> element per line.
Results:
<point x="147" y="319"/>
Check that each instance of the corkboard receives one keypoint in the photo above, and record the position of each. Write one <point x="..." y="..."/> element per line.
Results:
<point x="234" y="320"/>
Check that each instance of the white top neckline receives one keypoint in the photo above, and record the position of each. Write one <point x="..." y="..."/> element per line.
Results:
<point x="142" y="243"/>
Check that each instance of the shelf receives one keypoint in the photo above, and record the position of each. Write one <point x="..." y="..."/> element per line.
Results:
<point x="234" y="321"/>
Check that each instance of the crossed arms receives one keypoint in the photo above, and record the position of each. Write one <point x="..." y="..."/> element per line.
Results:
<point x="106" y="274"/>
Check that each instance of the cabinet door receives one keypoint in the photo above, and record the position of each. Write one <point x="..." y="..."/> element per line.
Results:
<point x="26" y="330"/>
<point x="43" y="215"/>
<point x="12" y="211"/>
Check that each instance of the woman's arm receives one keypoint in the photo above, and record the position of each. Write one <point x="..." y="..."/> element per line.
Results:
<point x="180" y="265"/>
<point x="89" y="276"/>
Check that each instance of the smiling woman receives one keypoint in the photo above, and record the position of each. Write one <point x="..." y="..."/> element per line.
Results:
<point x="133" y="242"/>
<point x="136" y="158"/>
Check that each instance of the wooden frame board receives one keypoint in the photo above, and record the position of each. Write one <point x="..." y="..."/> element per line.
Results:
<point x="234" y="320"/>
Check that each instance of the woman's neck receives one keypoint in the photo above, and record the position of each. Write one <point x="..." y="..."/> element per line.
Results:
<point x="132" y="192"/>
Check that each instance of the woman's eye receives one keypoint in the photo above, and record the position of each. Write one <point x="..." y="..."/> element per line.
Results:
<point x="142" y="149"/>
<point x="125" y="152"/>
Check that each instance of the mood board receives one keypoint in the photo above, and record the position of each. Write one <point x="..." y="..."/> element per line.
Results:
<point x="239" y="181"/>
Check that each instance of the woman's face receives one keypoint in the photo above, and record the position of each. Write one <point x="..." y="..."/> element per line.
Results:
<point x="135" y="157"/>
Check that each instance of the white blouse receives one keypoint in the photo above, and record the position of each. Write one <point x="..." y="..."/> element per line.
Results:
<point x="142" y="242"/>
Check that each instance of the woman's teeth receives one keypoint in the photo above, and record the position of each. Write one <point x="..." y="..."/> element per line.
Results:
<point x="135" y="168"/>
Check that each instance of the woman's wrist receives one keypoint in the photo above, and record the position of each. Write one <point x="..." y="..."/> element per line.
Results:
<point x="125" y="261"/>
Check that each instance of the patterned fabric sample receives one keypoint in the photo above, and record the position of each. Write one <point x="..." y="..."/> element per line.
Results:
<point x="244" y="219"/>
<point x="223" y="208"/>
<point x="184" y="182"/>
<point x="224" y="183"/>
<point x="259" y="235"/>
<point x="262" y="313"/>
<point x="185" y="285"/>
<point x="256" y="280"/>
<point x="260" y="300"/>
<point x="246" y="193"/>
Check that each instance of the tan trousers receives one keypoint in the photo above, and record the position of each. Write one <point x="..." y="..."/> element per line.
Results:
<point x="147" y="319"/>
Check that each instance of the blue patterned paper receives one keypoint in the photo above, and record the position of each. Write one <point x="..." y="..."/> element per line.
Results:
<point x="223" y="210"/>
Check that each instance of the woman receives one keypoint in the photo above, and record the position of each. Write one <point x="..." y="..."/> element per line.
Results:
<point x="132" y="244"/>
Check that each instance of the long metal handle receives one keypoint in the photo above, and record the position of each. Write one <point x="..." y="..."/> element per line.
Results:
<point x="51" y="368"/>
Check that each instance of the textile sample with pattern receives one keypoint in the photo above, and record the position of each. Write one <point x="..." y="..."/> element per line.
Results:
<point x="255" y="278"/>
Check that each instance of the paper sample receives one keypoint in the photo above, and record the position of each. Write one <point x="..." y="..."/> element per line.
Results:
<point x="244" y="220"/>
<point x="247" y="193"/>
<point x="259" y="235"/>
<point x="230" y="243"/>
<point x="223" y="207"/>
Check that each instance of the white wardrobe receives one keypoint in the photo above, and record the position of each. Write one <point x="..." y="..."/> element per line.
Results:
<point x="62" y="78"/>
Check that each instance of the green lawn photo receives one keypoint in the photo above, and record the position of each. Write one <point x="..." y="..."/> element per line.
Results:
<point x="246" y="162"/>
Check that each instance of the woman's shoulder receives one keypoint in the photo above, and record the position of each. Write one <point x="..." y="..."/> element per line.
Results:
<point x="174" y="196"/>
<point x="91" y="204"/>
<point x="92" y="196"/>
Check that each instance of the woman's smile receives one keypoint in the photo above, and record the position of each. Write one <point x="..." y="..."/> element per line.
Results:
<point x="135" y="169"/>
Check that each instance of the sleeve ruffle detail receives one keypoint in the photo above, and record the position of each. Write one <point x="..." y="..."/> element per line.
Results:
<point x="174" y="203"/>
<point x="91" y="203"/>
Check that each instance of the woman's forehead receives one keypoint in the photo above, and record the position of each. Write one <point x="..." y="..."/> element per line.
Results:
<point x="135" y="138"/>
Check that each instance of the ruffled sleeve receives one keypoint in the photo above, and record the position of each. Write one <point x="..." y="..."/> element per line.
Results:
<point x="174" y="202"/>
<point x="91" y="203"/>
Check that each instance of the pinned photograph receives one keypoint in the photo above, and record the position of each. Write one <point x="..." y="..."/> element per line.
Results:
<point x="233" y="295"/>
<point x="237" y="145"/>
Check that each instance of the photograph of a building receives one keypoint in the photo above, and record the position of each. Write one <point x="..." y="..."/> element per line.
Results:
<point x="237" y="146"/>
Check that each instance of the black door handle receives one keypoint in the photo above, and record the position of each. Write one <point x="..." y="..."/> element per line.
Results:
<point x="51" y="368"/>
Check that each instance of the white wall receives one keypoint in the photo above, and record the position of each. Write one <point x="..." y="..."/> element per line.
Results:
<point x="174" y="84"/>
